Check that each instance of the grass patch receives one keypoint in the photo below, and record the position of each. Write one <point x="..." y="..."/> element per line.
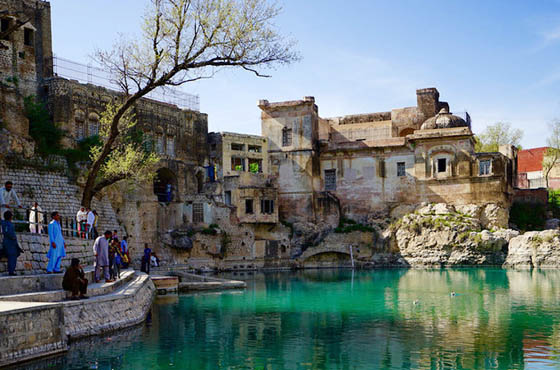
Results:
<point x="346" y="226"/>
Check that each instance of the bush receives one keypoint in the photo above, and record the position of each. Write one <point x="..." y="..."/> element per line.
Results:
<point x="346" y="226"/>
<point x="528" y="216"/>
<point x="554" y="202"/>
<point x="41" y="128"/>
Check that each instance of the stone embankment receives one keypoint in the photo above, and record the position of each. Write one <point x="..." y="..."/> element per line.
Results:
<point x="35" y="329"/>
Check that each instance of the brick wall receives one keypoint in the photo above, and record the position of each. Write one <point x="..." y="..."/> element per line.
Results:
<point x="531" y="196"/>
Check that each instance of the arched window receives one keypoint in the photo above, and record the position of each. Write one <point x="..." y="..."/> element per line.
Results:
<point x="80" y="125"/>
<point x="93" y="124"/>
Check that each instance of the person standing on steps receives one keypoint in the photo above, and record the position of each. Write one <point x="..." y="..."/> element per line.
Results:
<point x="8" y="197"/>
<point x="36" y="219"/>
<point x="145" y="267"/>
<point x="90" y="222"/>
<point x="10" y="243"/>
<point x="81" y="219"/>
<point x="57" y="249"/>
<point x="101" y="248"/>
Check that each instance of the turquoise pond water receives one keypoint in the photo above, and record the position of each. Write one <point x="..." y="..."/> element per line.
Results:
<point x="339" y="319"/>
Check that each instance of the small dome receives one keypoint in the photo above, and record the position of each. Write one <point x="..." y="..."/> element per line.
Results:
<point x="443" y="119"/>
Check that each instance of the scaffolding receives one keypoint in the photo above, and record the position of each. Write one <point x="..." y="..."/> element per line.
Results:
<point x="90" y="74"/>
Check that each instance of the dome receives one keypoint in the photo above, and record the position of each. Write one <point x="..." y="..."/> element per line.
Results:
<point x="443" y="119"/>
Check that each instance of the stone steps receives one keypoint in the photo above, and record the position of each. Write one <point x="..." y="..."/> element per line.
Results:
<point x="10" y="285"/>
<point x="42" y="328"/>
<point x="94" y="289"/>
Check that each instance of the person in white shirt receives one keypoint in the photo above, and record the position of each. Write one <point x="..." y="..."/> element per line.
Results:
<point x="90" y="222"/>
<point x="36" y="219"/>
<point x="81" y="218"/>
<point x="8" y="197"/>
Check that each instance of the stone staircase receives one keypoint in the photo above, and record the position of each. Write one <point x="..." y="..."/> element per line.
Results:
<point x="59" y="295"/>
<point x="27" y="300"/>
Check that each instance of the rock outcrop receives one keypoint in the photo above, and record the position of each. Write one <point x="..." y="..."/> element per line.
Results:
<point x="539" y="249"/>
<point x="445" y="235"/>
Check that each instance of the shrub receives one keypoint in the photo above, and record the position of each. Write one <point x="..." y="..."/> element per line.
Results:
<point x="528" y="216"/>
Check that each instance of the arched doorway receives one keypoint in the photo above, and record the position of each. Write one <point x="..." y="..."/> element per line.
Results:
<point x="165" y="185"/>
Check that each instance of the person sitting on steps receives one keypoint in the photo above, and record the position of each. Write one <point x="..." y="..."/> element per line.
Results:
<point x="75" y="281"/>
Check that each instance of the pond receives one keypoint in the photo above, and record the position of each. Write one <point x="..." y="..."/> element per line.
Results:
<point x="340" y="319"/>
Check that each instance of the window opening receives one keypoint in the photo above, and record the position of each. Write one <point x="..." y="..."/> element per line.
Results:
<point x="228" y="198"/>
<point x="237" y="164"/>
<point x="255" y="165"/>
<point x="401" y="171"/>
<point x="484" y="167"/>
<point x="28" y="36"/>
<point x="198" y="213"/>
<point x="237" y="147"/>
<point x="267" y="206"/>
<point x="330" y="179"/>
<point x="286" y="136"/>
<point x="249" y="206"/>
<point x="441" y="165"/>
<point x="255" y="148"/>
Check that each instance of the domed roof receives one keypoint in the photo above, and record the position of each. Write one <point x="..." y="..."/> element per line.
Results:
<point x="443" y="119"/>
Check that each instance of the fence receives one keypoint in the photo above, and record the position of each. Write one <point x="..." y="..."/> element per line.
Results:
<point x="39" y="224"/>
<point x="87" y="73"/>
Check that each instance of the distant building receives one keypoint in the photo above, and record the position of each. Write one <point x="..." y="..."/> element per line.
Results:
<point x="530" y="170"/>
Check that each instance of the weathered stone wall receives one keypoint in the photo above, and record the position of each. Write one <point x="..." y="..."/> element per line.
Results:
<point x="47" y="183"/>
<point x="31" y="331"/>
<point x="35" y="247"/>
<point x="104" y="314"/>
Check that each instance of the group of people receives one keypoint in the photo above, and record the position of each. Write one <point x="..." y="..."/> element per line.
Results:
<point x="86" y="219"/>
<point x="110" y="255"/>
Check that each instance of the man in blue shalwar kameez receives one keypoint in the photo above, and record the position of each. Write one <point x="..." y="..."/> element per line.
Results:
<point x="56" y="252"/>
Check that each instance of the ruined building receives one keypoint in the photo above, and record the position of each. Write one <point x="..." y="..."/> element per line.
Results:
<point x="358" y="165"/>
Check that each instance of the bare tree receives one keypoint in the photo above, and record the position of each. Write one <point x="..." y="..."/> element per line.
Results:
<point x="552" y="155"/>
<point x="187" y="40"/>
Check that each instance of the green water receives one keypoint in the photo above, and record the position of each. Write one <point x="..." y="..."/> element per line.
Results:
<point x="498" y="319"/>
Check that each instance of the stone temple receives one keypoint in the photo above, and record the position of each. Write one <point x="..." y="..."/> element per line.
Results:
<point x="231" y="200"/>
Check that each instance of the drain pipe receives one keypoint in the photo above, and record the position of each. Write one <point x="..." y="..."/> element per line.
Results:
<point x="352" y="257"/>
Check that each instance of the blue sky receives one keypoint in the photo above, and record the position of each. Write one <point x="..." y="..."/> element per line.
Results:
<point x="499" y="60"/>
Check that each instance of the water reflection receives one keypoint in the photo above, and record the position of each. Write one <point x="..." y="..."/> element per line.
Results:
<point x="497" y="319"/>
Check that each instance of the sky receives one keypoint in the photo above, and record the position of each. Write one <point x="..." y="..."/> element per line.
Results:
<point x="498" y="60"/>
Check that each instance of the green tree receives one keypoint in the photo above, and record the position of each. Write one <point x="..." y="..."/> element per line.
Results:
<point x="129" y="157"/>
<point x="552" y="155"/>
<point x="500" y="133"/>
<point x="184" y="41"/>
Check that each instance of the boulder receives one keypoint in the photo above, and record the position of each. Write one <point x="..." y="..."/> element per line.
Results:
<point x="534" y="249"/>
<point x="401" y="210"/>
<point x="494" y="217"/>
<point x="471" y="210"/>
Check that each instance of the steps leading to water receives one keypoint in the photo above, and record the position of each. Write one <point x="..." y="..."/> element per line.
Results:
<point x="42" y="328"/>
<point x="95" y="289"/>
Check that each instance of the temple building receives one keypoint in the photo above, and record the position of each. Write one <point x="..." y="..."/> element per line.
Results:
<point x="363" y="164"/>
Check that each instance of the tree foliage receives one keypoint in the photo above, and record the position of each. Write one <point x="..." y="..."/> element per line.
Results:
<point x="552" y="155"/>
<point x="184" y="41"/>
<point x="129" y="157"/>
<point x="500" y="133"/>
